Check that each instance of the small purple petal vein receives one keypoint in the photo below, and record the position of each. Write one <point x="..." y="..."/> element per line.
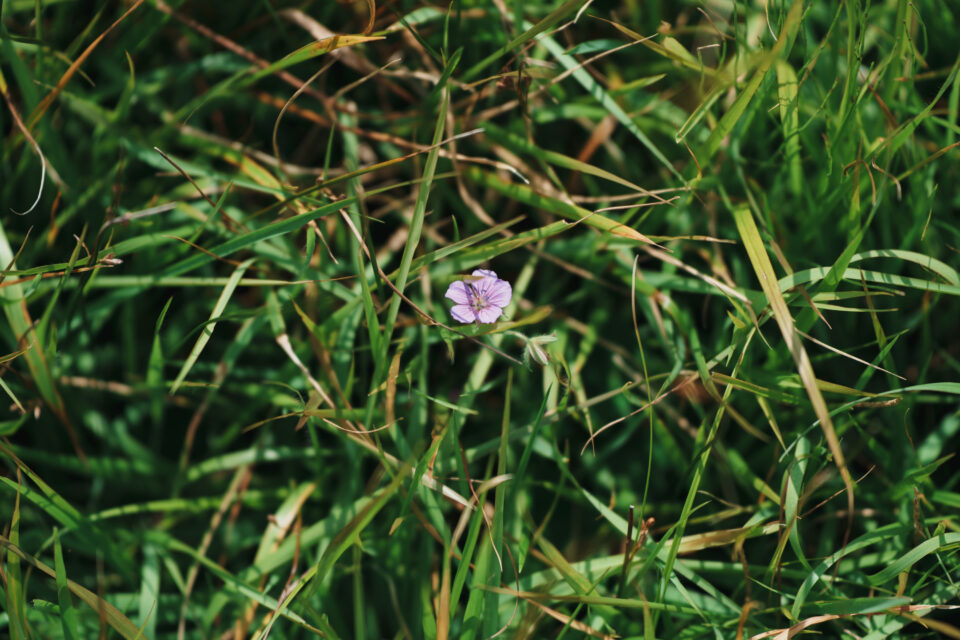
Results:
<point x="480" y="299"/>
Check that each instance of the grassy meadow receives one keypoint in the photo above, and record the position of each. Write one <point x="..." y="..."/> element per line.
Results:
<point x="721" y="400"/>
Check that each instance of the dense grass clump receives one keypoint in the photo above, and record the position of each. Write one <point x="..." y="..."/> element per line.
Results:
<point x="719" y="401"/>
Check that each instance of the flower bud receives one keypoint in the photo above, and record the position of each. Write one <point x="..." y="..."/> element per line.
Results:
<point x="535" y="349"/>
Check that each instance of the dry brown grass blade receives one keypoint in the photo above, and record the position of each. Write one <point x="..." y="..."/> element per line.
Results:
<point x="36" y="148"/>
<point x="744" y="612"/>
<point x="361" y="437"/>
<point x="789" y="632"/>
<point x="284" y="341"/>
<point x="276" y="123"/>
<point x="240" y="478"/>
<point x="846" y="355"/>
<point x="942" y="628"/>
<point x="26" y="132"/>
<point x="724" y="537"/>
<point x="567" y="620"/>
<point x="72" y="69"/>
<point x="392" y="374"/>
<point x="233" y="263"/>
<point x="372" y="8"/>
<point x="57" y="274"/>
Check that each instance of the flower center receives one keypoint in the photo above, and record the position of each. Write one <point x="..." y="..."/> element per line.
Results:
<point x="477" y="302"/>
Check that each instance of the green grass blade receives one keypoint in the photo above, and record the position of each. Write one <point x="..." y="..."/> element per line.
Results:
<point x="113" y="616"/>
<point x="730" y="118"/>
<point x="210" y="325"/>
<point x="416" y="223"/>
<point x="907" y="560"/>
<point x="527" y="195"/>
<point x="787" y="96"/>
<point x="607" y="102"/>
<point x="531" y="32"/>
<point x="149" y="603"/>
<point x="69" y="617"/>
<point x="750" y="236"/>
<point x="18" y="317"/>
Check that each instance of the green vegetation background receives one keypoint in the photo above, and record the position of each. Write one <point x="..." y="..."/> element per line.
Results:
<point x="722" y="403"/>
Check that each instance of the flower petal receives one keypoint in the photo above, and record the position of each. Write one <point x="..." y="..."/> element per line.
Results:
<point x="499" y="293"/>
<point x="463" y="313"/>
<point x="482" y="287"/>
<point x="488" y="315"/>
<point x="459" y="292"/>
<point x="483" y="273"/>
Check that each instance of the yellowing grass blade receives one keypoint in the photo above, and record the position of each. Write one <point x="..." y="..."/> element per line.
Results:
<point x="525" y="194"/>
<point x="313" y="50"/>
<point x="671" y="49"/>
<point x="750" y="235"/>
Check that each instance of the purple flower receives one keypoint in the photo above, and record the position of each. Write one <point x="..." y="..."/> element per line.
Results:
<point x="480" y="298"/>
